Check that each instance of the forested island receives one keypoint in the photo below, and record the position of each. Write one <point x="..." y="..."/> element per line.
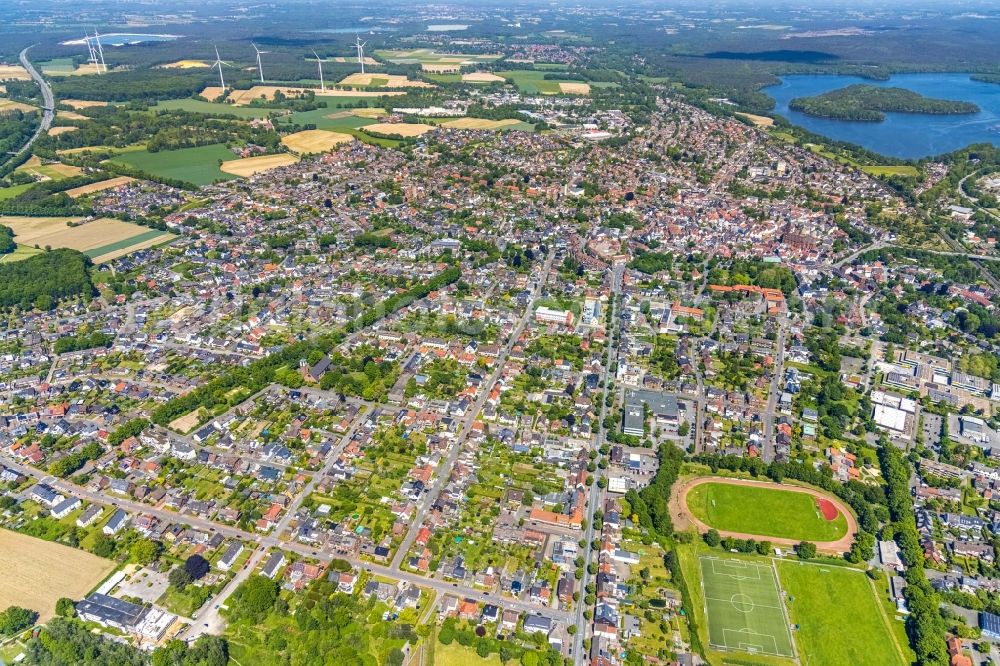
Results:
<point x="870" y="103"/>
<point x="986" y="78"/>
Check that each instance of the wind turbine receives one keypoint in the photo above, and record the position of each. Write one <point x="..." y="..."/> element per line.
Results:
<point x="260" y="68"/>
<point x="218" y="63"/>
<point x="360" y="45"/>
<point x="91" y="52"/>
<point x="100" y="53"/>
<point x="319" y="65"/>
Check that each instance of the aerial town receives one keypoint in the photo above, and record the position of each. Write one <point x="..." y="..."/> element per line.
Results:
<point x="656" y="383"/>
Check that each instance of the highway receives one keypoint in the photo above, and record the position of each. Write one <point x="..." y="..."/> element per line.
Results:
<point x="48" y="110"/>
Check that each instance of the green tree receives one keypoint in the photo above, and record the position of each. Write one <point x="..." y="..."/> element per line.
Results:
<point x="806" y="550"/>
<point x="65" y="607"/>
<point x="16" y="619"/>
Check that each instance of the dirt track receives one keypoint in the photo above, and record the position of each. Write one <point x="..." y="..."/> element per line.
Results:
<point x="684" y="519"/>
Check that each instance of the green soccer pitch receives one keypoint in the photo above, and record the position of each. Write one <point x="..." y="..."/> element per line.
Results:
<point x="744" y="608"/>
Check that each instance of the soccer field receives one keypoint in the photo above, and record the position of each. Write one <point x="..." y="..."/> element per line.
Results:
<point x="744" y="608"/>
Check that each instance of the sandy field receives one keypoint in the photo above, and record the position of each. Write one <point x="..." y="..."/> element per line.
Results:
<point x="56" y="131"/>
<point x="212" y="93"/>
<point x="248" y="166"/>
<point x="55" y="232"/>
<point x="11" y="105"/>
<point x="183" y="424"/>
<point x="82" y="103"/>
<point x="185" y="64"/>
<point x="244" y="97"/>
<point x="402" y="129"/>
<point x="13" y="72"/>
<point x="85" y="69"/>
<point x="479" y="123"/>
<point x="482" y="77"/>
<point x="575" y="88"/>
<point x="760" y="121"/>
<point x="99" y="187"/>
<point x="383" y="81"/>
<point x="37" y="573"/>
<point x="314" y="141"/>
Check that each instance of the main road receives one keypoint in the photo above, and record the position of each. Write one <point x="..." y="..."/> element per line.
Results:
<point x="48" y="110"/>
<point x="596" y="494"/>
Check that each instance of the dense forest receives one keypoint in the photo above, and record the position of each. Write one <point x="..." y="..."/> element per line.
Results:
<point x="42" y="280"/>
<point x="870" y="103"/>
<point x="16" y="127"/>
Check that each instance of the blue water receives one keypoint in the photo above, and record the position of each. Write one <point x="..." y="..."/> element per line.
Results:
<point x="358" y="29"/>
<point x="906" y="135"/>
<point x="123" y="39"/>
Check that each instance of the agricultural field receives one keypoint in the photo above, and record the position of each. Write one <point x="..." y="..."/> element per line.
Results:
<point x="66" y="67"/>
<point x="481" y="123"/>
<point x="13" y="191"/>
<point x="901" y="170"/>
<point x="10" y="105"/>
<point x="13" y="73"/>
<point x="38" y="573"/>
<point x="201" y="106"/>
<point x="19" y="253"/>
<point x="823" y="602"/>
<point x="744" y="607"/>
<point x="100" y="186"/>
<point x="51" y="171"/>
<point x="185" y="64"/>
<point x="249" y="166"/>
<point x="369" y="80"/>
<point x="102" y="240"/>
<point x="56" y="131"/>
<point x="199" y="166"/>
<point x="82" y="103"/>
<point x="314" y="141"/>
<point x="533" y="82"/>
<point x="402" y="129"/>
<point x="433" y="61"/>
<point x="765" y="511"/>
<point x="760" y="121"/>
<point x="482" y="77"/>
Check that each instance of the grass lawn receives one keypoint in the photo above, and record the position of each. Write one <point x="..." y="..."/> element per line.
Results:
<point x="199" y="166"/>
<point x="19" y="253"/>
<point x="13" y="191"/>
<point x="532" y="82"/>
<point x="763" y="511"/>
<point x="903" y="170"/>
<point x="456" y="655"/>
<point x="839" y="619"/>
<point x="743" y="605"/>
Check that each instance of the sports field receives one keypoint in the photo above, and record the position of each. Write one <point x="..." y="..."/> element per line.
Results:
<point x="37" y="573"/>
<point x="840" y="622"/>
<point x="249" y="166"/>
<point x="764" y="511"/>
<point x="199" y="166"/>
<point x="743" y="606"/>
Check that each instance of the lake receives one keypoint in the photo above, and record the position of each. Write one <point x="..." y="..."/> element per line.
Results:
<point x="905" y="135"/>
<point x="125" y="39"/>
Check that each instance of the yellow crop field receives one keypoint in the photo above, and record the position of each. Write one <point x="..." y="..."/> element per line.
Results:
<point x="248" y="166"/>
<point x="314" y="141"/>
<point x="574" y="88"/>
<point x="371" y="112"/>
<point x="56" y="131"/>
<point x="244" y="97"/>
<point x="382" y="81"/>
<point x="11" y="105"/>
<point x="82" y="103"/>
<point x="185" y="64"/>
<point x="482" y="77"/>
<point x="13" y="73"/>
<point x="71" y="115"/>
<point x="479" y="123"/>
<point x="440" y="67"/>
<point x="103" y="239"/>
<point x="212" y="93"/>
<point x="402" y="129"/>
<point x="37" y="573"/>
<point x="330" y="92"/>
<point x="99" y="187"/>
<point x="760" y="121"/>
